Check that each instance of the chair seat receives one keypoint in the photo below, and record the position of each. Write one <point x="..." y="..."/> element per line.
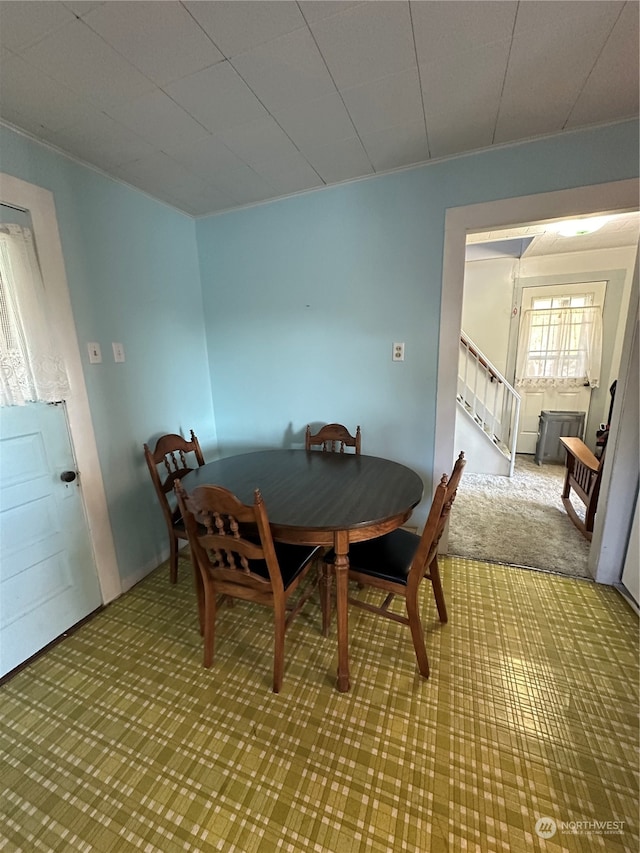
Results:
<point x="291" y="558"/>
<point x="388" y="557"/>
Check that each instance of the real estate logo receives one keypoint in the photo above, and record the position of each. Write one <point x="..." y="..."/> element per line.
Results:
<point x="546" y="827"/>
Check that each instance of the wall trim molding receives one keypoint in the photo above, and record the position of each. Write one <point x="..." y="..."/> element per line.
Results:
<point x="41" y="206"/>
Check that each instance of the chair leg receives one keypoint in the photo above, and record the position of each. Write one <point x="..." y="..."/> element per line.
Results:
<point x="173" y="558"/>
<point x="438" y="592"/>
<point x="324" y="586"/>
<point x="279" y="613"/>
<point x="209" y="624"/>
<point x="200" y="598"/>
<point x="417" y="635"/>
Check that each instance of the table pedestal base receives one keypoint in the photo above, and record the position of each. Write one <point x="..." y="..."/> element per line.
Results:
<point x="341" y="568"/>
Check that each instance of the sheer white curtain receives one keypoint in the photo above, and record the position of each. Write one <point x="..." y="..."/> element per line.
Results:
<point x="31" y="364"/>
<point x="560" y="347"/>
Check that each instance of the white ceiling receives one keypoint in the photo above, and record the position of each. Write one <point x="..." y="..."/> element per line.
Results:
<point x="213" y="105"/>
<point x="619" y="231"/>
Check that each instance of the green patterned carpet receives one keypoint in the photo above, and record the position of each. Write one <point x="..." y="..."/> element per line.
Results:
<point x="117" y="739"/>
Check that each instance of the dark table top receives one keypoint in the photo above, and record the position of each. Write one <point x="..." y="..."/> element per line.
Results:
<point x="315" y="490"/>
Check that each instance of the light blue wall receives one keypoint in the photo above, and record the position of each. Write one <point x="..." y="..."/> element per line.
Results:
<point x="304" y="297"/>
<point x="291" y="314"/>
<point x="133" y="278"/>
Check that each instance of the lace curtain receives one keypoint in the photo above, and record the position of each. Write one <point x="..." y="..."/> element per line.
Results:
<point x="31" y="363"/>
<point x="560" y="348"/>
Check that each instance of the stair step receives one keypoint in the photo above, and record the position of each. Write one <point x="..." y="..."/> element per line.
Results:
<point x="485" y="427"/>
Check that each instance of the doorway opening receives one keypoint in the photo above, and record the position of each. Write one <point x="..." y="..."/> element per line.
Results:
<point x="491" y="221"/>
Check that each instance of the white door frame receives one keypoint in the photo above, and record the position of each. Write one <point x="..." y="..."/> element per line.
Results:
<point x="617" y="196"/>
<point x="40" y="204"/>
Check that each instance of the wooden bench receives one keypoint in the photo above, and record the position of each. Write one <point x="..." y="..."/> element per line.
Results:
<point x="583" y="474"/>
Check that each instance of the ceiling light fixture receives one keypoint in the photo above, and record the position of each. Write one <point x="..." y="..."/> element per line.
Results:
<point x="579" y="227"/>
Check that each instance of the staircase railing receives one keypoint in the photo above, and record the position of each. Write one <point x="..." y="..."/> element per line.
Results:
<point x="488" y="398"/>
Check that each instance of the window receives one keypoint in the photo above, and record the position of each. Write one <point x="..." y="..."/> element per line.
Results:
<point x="560" y="342"/>
<point x="31" y="365"/>
<point x="562" y="302"/>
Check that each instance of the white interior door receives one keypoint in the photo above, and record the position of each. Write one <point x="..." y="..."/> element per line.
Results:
<point x="537" y="400"/>
<point x="48" y="579"/>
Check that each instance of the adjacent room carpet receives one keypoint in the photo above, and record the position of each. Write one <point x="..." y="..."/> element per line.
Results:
<point x="518" y="520"/>
<point x="118" y="740"/>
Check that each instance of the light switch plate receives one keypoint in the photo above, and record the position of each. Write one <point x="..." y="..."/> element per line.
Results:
<point x="95" y="353"/>
<point x="118" y="352"/>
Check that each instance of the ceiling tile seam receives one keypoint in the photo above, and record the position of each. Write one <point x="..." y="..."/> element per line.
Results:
<point x="27" y="45"/>
<point x="595" y="62"/>
<point x="415" y="50"/>
<point x="504" y="76"/>
<point x="206" y="34"/>
<point x="110" y="47"/>
<point x="207" y="131"/>
<point x="154" y="84"/>
<point x="274" y="119"/>
<point x="268" y="111"/>
<point x="239" y="53"/>
<point x="86" y="164"/>
<point x="101" y="108"/>
<point x="353" y="124"/>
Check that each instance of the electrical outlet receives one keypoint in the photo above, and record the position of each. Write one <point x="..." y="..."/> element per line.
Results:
<point x="95" y="353"/>
<point x="118" y="352"/>
<point x="398" y="352"/>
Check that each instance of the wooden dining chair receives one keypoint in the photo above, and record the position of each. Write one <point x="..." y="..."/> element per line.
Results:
<point x="233" y="561"/>
<point x="404" y="542"/>
<point x="332" y="438"/>
<point x="396" y="565"/>
<point x="433" y="569"/>
<point x="168" y="461"/>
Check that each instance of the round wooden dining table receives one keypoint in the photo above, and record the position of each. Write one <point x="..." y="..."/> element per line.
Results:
<point x="318" y="498"/>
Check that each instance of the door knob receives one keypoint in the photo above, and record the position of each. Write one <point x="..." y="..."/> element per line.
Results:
<point x="68" y="476"/>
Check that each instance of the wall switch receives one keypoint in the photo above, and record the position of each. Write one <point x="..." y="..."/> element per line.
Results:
<point x="118" y="352"/>
<point x="398" y="352"/>
<point x="95" y="353"/>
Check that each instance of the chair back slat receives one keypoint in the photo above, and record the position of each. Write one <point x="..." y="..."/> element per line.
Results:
<point x="332" y="438"/>
<point x="431" y="534"/>
<point x="438" y="516"/>
<point x="225" y="535"/>
<point x="167" y="462"/>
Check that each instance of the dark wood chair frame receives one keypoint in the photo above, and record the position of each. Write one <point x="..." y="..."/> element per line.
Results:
<point x="432" y="570"/>
<point x="583" y="475"/>
<point x="332" y="438"/>
<point x="224" y="535"/>
<point x="171" y="452"/>
<point x="423" y="558"/>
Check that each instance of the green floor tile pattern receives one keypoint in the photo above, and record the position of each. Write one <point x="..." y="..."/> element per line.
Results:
<point x="117" y="739"/>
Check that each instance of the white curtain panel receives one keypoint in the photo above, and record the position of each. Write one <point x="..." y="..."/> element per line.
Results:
<point x="31" y="364"/>
<point x="560" y="347"/>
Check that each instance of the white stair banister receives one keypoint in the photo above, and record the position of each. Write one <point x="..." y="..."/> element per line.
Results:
<point x="485" y="394"/>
